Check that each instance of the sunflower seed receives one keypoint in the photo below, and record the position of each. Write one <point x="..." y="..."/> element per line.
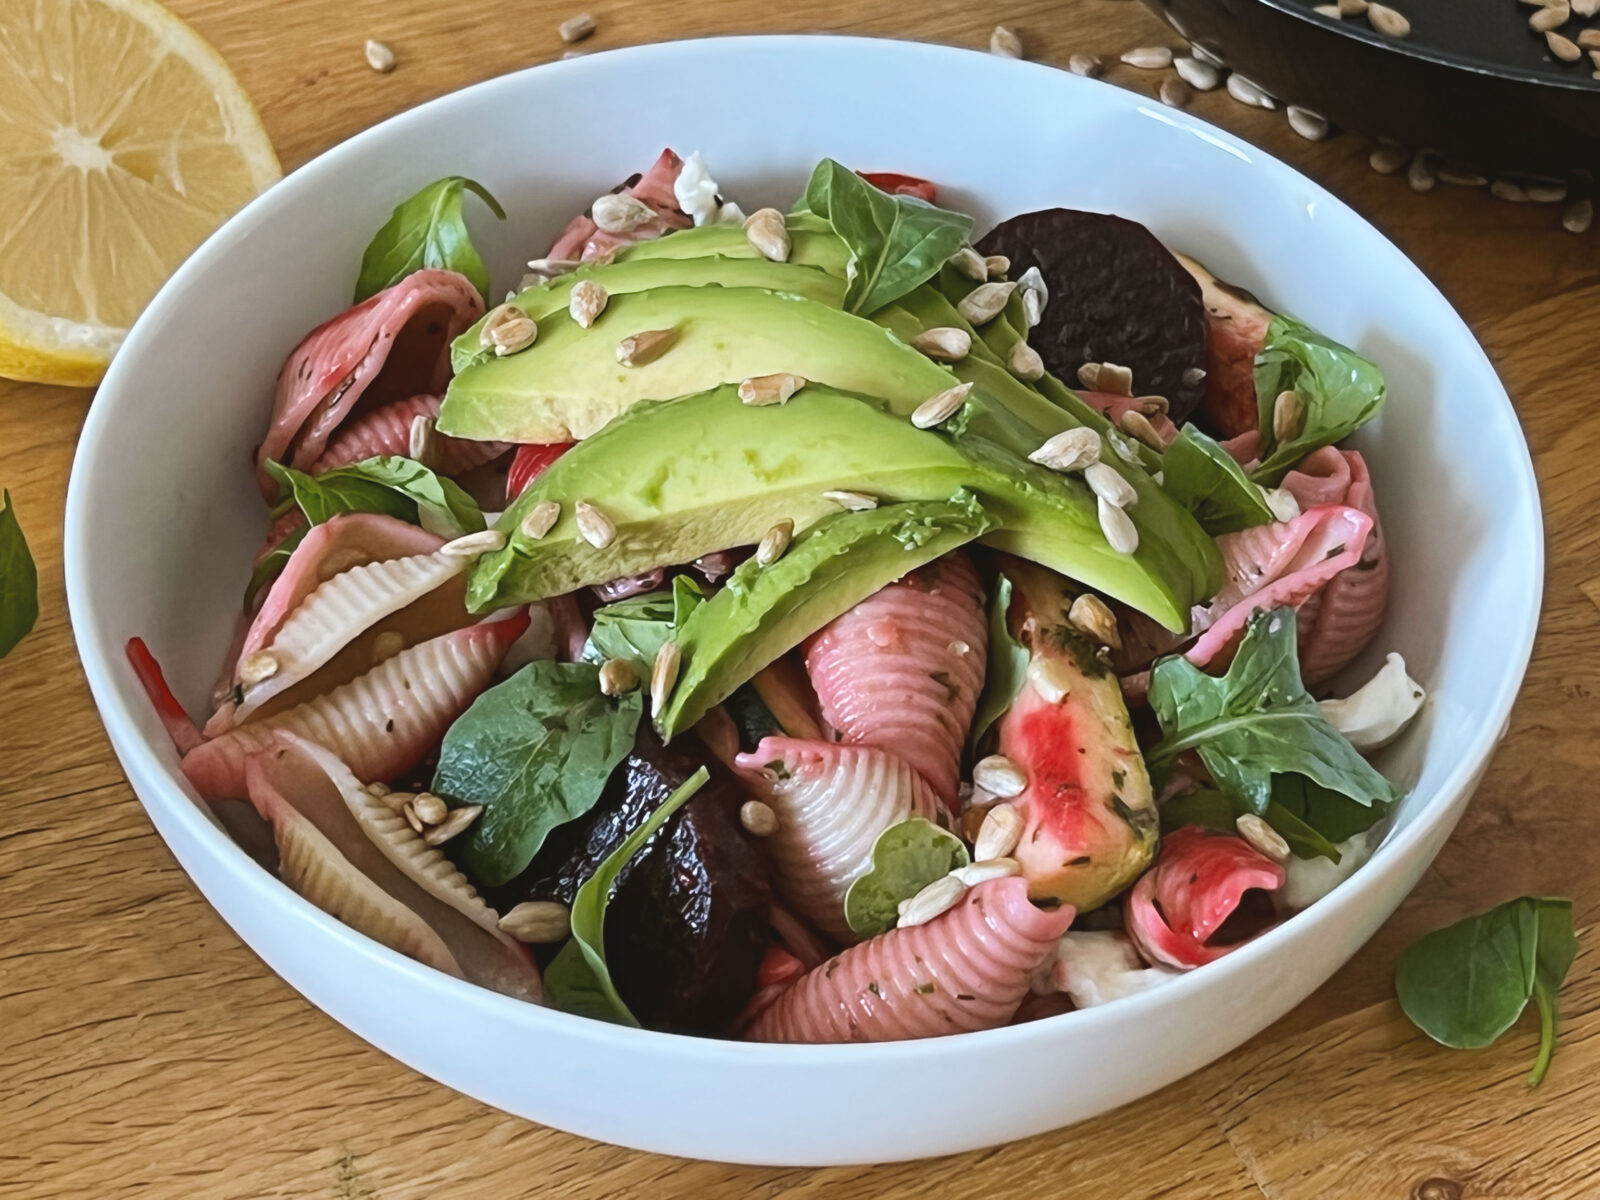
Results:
<point x="1149" y="58"/>
<point x="970" y="263"/>
<point x="1589" y="39"/>
<point x="1506" y="189"/>
<point x="938" y="409"/>
<point x="1247" y="91"/>
<point x="999" y="834"/>
<point x="595" y="527"/>
<point x="429" y="808"/>
<point x="575" y="29"/>
<point x="1309" y="125"/>
<point x="1201" y="76"/>
<point x="759" y="391"/>
<point x="1175" y="93"/>
<point x="999" y="776"/>
<point x="1460" y="178"/>
<point x="379" y="789"/>
<point x="985" y="302"/>
<point x="1578" y="216"/>
<point x="663" y="674"/>
<point x="996" y="266"/>
<point x="1262" y="836"/>
<point x="538" y="922"/>
<point x="982" y="872"/>
<point x="620" y="212"/>
<point x="552" y="267"/>
<point x="937" y="898"/>
<point x="1107" y="483"/>
<point x="1136" y="423"/>
<point x="1090" y="616"/>
<point x="618" y="677"/>
<point x="1282" y="503"/>
<point x="1552" y="17"/>
<point x="774" y="543"/>
<point x="768" y="233"/>
<point x="1069" y="450"/>
<point x="1035" y="295"/>
<point x="1051" y="678"/>
<point x="854" y="501"/>
<point x="1153" y="406"/>
<point x="409" y="811"/>
<point x="506" y="330"/>
<point x="1388" y="21"/>
<point x="1386" y="160"/>
<point x="944" y="342"/>
<point x="1288" y="415"/>
<point x="258" y="667"/>
<point x="1114" y="380"/>
<point x="758" y="818"/>
<point x="379" y="57"/>
<point x="1205" y="56"/>
<point x="1563" y="48"/>
<point x="457" y="822"/>
<point x="1586" y="8"/>
<point x="471" y="545"/>
<point x="645" y="347"/>
<point x="1420" y="174"/>
<point x="1352" y="8"/>
<point x="1005" y="43"/>
<point x="1193" y="376"/>
<point x="540" y="520"/>
<point x="1088" y="65"/>
<point x="1120" y="532"/>
<point x="1024" y="362"/>
<point x="420" y="441"/>
<point x="586" y="302"/>
<point x="1089" y="375"/>
<point x="1331" y="11"/>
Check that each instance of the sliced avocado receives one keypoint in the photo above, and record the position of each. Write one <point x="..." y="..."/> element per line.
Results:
<point x="763" y="612"/>
<point x="812" y="243"/>
<point x="685" y="477"/>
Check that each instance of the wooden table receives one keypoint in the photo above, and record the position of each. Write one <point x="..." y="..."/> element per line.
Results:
<point x="144" y="1051"/>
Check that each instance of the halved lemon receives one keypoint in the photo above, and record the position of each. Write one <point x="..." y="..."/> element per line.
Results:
<point x="124" y="141"/>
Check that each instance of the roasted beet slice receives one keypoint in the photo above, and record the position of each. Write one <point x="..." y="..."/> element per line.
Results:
<point x="1116" y="295"/>
<point x="687" y="928"/>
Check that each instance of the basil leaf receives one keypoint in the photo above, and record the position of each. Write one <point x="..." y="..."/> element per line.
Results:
<point x="1467" y="984"/>
<point x="1342" y="391"/>
<point x="1008" y="666"/>
<point x="636" y="628"/>
<point x="589" y="905"/>
<point x="895" y="242"/>
<point x="396" y="486"/>
<point x="1256" y="721"/>
<point x="906" y="858"/>
<point x="19" y="580"/>
<point x="1214" y="810"/>
<point x="536" y="752"/>
<point x="272" y="564"/>
<point x="427" y="230"/>
<point x="571" y="986"/>
<point x="1204" y="478"/>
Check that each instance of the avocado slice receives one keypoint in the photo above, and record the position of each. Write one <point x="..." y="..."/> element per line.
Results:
<point x="764" y="612"/>
<point x="685" y="477"/>
<point x="812" y="243"/>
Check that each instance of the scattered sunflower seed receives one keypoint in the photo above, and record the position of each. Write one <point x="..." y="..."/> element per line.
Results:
<point x="663" y="675"/>
<point x="1024" y="362"/>
<point x="1120" y="532"/>
<point x="538" y="922"/>
<point x="937" y="898"/>
<point x="1578" y="216"/>
<point x="982" y="872"/>
<point x="1586" y="8"/>
<point x="1113" y="379"/>
<point x="1550" y="17"/>
<point x="1051" y="678"/>
<point x="456" y="823"/>
<point x="1386" y="160"/>
<point x="1506" y="189"/>
<point x="1562" y="47"/>
<point x="379" y="57"/>
<point x="1420" y="174"/>
<point x="1331" y="11"/>
<point x="1388" y="21"/>
<point x="1288" y="415"/>
<point x="1589" y="39"/>
<point x="999" y="834"/>
<point x="1262" y="836"/>
<point x="550" y="268"/>
<point x="1088" y="65"/>
<point x="645" y="347"/>
<point x="999" y="776"/>
<point x="420" y="440"/>
<point x="620" y="212"/>
<point x="761" y="390"/>
<point x="258" y="667"/>
<point x="995" y="266"/>
<point x="471" y="545"/>
<point x="409" y="812"/>
<point x="1138" y="425"/>
<point x="1247" y="91"/>
<point x="1152" y="406"/>
<point x="768" y="233"/>
<point x="758" y="818"/>
<point x="985" y="302"/>
<point x="1309" y="125"/>
<point x="1090" y="616"/>
<point x="541" y="518"/>
<point x="774" y="543"/>
<point x="970" y="263"/>
<point x="595" y="527"/>
<point x="429" y="808"/>
<point x="1352" y="8"/>
<point x="1200" y="75"/>
<point x="575" y="29"/>
<point x="586" y="302"/>
<point x="944" y="342"/>
<point x="1005" y="43"/>
<point x="1069" y="450"/>
<point x="854" y="501"/>
<point x="1035" y="295"/>
<point x="617" y="677"/>
<point x="1459" y="178"/>
<point x="1175" y="93"/>
<point x="1194" y="376"/>
<point x="506" y="330"/>
<point x="1149" y="58"/>
<point x="939" y="408"/>
<point x="379" y="789"/>
<point x="1107" y="482"/>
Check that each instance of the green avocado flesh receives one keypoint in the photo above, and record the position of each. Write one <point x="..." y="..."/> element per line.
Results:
<point x="686" y="477"/>
<point x="812" y="243"/>
<point x="763" y="612"/>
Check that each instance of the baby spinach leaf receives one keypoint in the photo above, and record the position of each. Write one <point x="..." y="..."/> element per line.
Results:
<point x="906" y="858"/>
<point x="1256" y="721"/>
<point x="1342" y="391"/>
<point x="1467" y="984"/>
<point x="1204" y="478"/>
<point x="427" y="230"/>
<point x="19" y="580"/>
<point x="1215" y="810"/>
<point x="635" y="629"/>
<point x="390" y="484"/>
<point x="895" y="242"/>
<point x="571" y="986"/>
<point x="1337" y="817"/>
<point x="589" y="905"/>
<point x="536" y="752"/>
<point x="1008" y="666"/>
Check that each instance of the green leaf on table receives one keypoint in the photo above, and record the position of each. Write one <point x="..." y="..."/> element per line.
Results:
<point x="589" y="905"/>
<point x="1341" y="391"/>
<point x="1204" y="478"/>
<point x="428" y="230"/>
<point x="1256" y="721"/>
<point x="906" y="858"/>
<point x="1008" y="665"/>
<point x="19" y="580"/>
<point x="895" y="242"/>
<point x="1467" y="984"/>
<point x="536" y="752"/>
<point x="390" y="484"/>
<point x="635" y="629"/>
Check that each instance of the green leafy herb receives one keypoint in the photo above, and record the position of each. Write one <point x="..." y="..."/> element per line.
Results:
<point x="19" y="580"/>
<point x="391" y="484"/>
<point x="272" y="564"/>
<point x="428" y="230"/>
<point x="1467" y="984"/>
<point x="1008" y="665"/>
<point x="1342" y="391"/>
<point x="1256" y="721"/>
<point x="1213" y="809"/>
<point x="571" y="986"/>
<point x="536" y="751"/>
<point x="895" y="242"/>
<point x="635" y="629"/>
<point x="589" y="905"/>
<point x="906" y="858"/>
<point x="1204" y="478"/>
<point x="1336" y="817"/>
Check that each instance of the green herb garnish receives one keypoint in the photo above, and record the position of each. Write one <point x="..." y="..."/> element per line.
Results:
<point x="1203" y="477"/>
<point x="1341" y="391"/>
<point x="428" y="230"/>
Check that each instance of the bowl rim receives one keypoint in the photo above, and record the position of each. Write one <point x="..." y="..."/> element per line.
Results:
<point x="167" y="800"/>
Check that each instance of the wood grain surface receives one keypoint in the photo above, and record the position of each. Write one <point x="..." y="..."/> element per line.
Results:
<point x="144" y="1051"/>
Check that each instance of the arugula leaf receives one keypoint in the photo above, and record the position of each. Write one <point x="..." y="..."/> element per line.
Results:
<point x="390" y="484"/>
<point x="635" y="629"/>
<point x="1467" y="984"/>
<point x="536" y="752"/>
<point x="19" y="580"/>
<point x="589" y="905"/>
<point x="906" y="858"/>
<point x="895" y="242"/>
<point x="1008" y="666"/>
<point x="1214" y="810"/>
<point x="1204" y="478"/>
<point x="1342" y="391"/>
<point x="427" y="230"/>
<point x="1256" y="721"/>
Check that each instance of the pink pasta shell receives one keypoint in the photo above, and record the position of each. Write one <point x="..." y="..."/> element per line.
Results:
<point x="583" y="240"/>
<point x="387" y="430"/>
<point x="1178" y="906"/>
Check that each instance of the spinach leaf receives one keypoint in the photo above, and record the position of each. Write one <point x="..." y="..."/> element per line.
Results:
<point x="571" y="986"/>
<point x="589" y="905"/>
<point x="895" y="242"/>
<point x="1467" y="984"/>
<point x="906" y="858"/>
<point x="427" y="230"/>
<point x="390" y="484"/>
<point x="19" y="580"/>
<point x="1008" y="666"/>
<point x="1342" y="391"/>
<point x="1213" y="809"/>
<point x="536" y="752"/>
<point x="1337" y="817"/>
<point x="1256" y="721"/>
<point x="687" y="595"/>
<point x="1205" y="479"/>
<point x="634" y="629"/>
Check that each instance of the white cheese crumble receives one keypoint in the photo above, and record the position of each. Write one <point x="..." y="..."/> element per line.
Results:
<point x="697" y="192"/>
<point x="1094" y="967"/>
<point x="1374" y="714"/>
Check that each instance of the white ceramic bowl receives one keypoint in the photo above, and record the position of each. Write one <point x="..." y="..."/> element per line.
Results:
<point x="163" y="514"/>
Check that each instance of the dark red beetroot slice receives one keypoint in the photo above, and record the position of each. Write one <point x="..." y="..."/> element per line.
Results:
<point x="1236" y="330"/>
<point x="1116" y="295"/>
